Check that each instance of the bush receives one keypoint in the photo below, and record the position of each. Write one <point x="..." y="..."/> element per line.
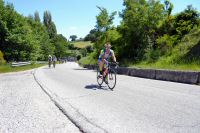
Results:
<point x="78" y="57"/>
<point x="83" y="52"/>
<point x="166" y="43"/>
<point x="2" y="61"/>
<point x="90" y="59"/>
<point x="89" y="48"/>
<point x="152" y="55"/>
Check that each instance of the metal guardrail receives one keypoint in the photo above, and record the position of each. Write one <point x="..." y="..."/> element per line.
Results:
<point x="41" y="62"/>
<point x="17" y="64"/>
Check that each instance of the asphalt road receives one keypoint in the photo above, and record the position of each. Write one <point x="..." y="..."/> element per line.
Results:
<point x="136" y="105"/>
<point x="25" y="108"/>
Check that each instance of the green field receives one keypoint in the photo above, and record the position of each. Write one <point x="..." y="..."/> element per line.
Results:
<point x="7" y="68"/>
<point x="82" y="44"/>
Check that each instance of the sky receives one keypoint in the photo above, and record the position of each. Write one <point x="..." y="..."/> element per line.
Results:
<point x="78" y="17"/>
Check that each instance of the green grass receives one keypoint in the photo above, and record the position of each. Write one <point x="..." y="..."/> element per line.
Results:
<point x="88" y="60"/>
<point x="82" y="44"/>
<point x="160" y="65"/>
<point x="184" y="56"/>
<point x="7" y="68"/>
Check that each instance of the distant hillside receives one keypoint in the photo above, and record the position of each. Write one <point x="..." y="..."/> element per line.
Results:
<point x="82" y="44"/>
<point x="184" y="56"/>
<point x="188" y="50"/>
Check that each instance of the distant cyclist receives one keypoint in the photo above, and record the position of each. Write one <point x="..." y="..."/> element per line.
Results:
<point x="49" y="60"/>
<point x="104" y="56"/>
<point x="54" y="61"/>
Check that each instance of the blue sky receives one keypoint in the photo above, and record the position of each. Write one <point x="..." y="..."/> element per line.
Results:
<point x="79" y="16"/>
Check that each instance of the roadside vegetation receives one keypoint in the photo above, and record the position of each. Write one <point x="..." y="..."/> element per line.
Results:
<point x="148" y="36"/>
<point x="28" y="38"/>
<point x="4" y="68"/>
<point x="82" y="44"/>
<point x="157" y="39"/>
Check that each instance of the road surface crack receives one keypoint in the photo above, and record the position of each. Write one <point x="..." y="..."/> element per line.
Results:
<point x="77" y="123"/>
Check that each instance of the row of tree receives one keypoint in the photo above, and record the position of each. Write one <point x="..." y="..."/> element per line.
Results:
<point x="27" y="38"/>
<point x="147" y="31"/>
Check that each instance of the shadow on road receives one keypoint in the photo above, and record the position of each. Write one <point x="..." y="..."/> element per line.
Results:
<point x="47" y="68"/>
<point x="80" y="69"/>
<point x="96" y="87"/>
<point x="84" y="69"/>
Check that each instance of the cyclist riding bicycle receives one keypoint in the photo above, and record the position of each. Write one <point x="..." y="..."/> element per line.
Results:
<point x="104" y="56"/>
<point x="49" y="60"/>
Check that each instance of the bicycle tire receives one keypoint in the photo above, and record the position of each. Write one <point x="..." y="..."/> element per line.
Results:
<point x="49" y="64"/>
<point x="99" y="80"/>
<point x="54" y="64"/>
<point x="112" y="75"/>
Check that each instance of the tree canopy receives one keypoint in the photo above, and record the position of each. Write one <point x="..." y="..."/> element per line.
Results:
<point x="26" y="38"/>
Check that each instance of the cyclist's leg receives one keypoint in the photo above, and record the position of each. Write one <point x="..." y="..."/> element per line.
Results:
<point x="49" y="64"/>
<point x="54" y="64"/>
<point x="105" y="74"/>
<point x="100" y="62"/>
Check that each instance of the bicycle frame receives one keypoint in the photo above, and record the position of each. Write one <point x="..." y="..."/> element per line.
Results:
<point x="111" y="73"/>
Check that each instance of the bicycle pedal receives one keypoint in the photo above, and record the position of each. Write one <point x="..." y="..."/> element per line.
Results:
<point x="100" y="76"/>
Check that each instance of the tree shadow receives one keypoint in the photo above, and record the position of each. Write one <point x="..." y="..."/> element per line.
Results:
<point x="47" y="68"/>
<point x="193" y="53"/>
<point x="96" y="87"/>
<point x="80" y="69"/>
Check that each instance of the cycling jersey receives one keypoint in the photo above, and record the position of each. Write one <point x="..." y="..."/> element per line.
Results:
<point x="105" y="55"/>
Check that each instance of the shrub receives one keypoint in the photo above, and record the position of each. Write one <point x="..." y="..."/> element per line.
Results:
<point x="78" y="57"/>
<point x="166" y="43"/>
<point x="2" y="61"/>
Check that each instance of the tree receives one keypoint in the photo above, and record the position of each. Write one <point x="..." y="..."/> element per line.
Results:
<point x="168" y="7"/>
<point x="167" y="25"/>
<point x="73" y="37"/>
<point x="104" y="22"/>
<point x="26" y="38"/>
<point x="51" y="27"/>
<point x="92" y="36"/>
<point x="186" y="20"/>
<point x="61" y="45"/>
<point x="139" y="23"/>
<point x="37" y="16"/>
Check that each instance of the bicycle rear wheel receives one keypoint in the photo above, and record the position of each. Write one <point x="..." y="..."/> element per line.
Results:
<point x="111" y="79"/>
<point x="99" y="78"/>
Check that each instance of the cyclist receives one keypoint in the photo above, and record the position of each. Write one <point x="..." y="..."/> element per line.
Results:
<point x="54" y="59"/>
<point x="49" y="60"/>
<point x="104" y="56"/>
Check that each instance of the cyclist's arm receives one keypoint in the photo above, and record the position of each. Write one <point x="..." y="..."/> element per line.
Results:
<point x="101" y="56"/>
<point x="113" y="56"/>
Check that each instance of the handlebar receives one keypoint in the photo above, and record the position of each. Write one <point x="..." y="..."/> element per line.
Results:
<point x="114" y="64"/>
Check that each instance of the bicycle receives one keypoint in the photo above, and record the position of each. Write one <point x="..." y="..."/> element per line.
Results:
<point x="111" y="75"/>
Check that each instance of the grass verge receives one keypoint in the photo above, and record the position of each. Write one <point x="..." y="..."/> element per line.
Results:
<point x="160" y="65"/>
<point x="8" y="68"/>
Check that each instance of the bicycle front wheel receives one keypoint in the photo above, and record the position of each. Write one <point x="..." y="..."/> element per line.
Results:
<point x="112" y="79"/>
<point x="99" y="78"/>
